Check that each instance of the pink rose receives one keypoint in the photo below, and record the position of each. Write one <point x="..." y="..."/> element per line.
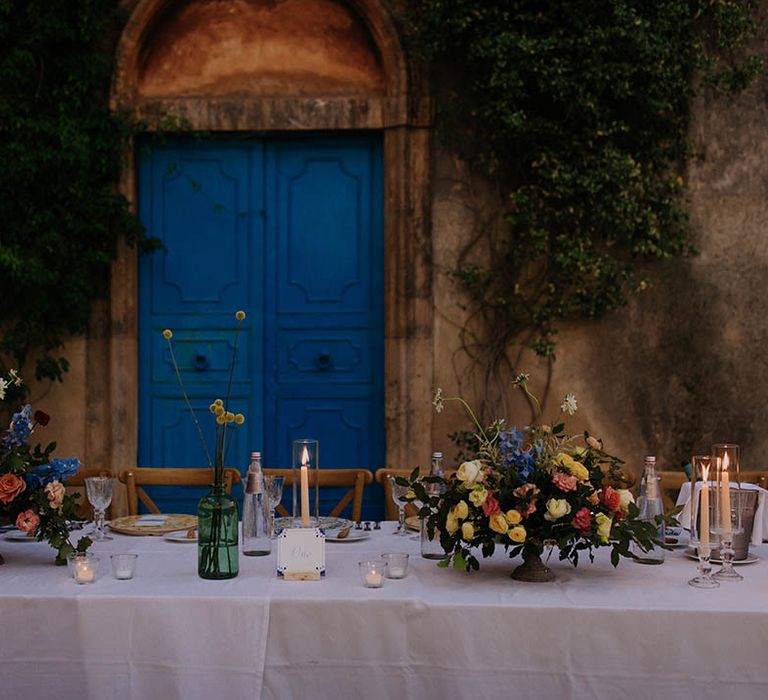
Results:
<point x="10" y="487"/>
<point x="582" y="521"/>
<point x="611" y="498"/>
<point x="55" y="492"/>
<point x="525" y="489"/>
<point x="528" y="510"/>
<point x="28" y="521"/>
<point x="565" y="482"/>
<point x="491" y="506"/>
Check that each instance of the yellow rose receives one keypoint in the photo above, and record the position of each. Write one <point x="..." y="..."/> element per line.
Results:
<point x="604" y="524"/>
<point x="461" y="510"/>
<point x="451" y="524"/>
<point x="498" y="523"/>
<point x="565" y="461"/>
<point x="517" y="534"/>
<point x="513" y="517"/>
<point x="467" y="531"/>
<point x="470" y="473"/>
<point x="478" y="496"/>
<point x="557" y="508"/>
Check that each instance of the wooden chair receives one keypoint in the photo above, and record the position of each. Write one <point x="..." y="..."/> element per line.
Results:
<point x="671" y="481"/>
<point x="134" y="479"/>
<point x="355" y="480"/>
<point x="390" y="509"/>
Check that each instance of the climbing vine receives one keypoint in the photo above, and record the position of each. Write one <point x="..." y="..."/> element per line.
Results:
<point x="61" y="217"/>
<point x="578" y="114"/>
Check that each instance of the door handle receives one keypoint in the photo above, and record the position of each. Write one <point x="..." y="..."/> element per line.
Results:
<point x="200" y="362"/>
<point x="324" y="361"/>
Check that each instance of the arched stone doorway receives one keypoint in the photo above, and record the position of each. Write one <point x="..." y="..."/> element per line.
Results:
<point x="228" y="66"/>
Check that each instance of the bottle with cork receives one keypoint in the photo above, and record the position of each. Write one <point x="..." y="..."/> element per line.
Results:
<point x="650" y="505"/>
<point x="257" y="516"/>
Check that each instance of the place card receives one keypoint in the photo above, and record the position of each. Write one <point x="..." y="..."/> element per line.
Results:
<point x="301" y="554"/>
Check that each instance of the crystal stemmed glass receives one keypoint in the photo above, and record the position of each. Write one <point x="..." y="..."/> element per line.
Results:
<point x="274" y="487"/>
<point x="99" y="491"/>
<point x="399" y="492"/>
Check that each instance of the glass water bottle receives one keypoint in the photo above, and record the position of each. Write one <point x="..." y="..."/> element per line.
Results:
<point x="650" y="504"/>
<point x="257" y="516"/>
<point x="431" y="548"/>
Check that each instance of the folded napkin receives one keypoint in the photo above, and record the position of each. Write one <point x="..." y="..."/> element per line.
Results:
<point x="760" y="525"/>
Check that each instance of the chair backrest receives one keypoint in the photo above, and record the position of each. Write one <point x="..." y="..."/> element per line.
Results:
<point x="355" y="480"/>
<point x="135" y="478"/>
<point x="671" y="481"/>
<point x="390" y="509"/>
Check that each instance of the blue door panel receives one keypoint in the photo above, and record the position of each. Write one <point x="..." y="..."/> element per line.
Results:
<point x="290" y="230"/>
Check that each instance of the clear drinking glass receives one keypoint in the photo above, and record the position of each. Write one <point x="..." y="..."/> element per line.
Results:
<point x="399" y="492"/>
<point x="99" y="491"/>
<point x="273" y="485"/>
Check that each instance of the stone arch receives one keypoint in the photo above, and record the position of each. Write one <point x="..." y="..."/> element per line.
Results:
<point x="379" y="92"/>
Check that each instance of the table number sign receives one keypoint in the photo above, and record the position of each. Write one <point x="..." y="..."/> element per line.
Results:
<point x="301" y="554"/>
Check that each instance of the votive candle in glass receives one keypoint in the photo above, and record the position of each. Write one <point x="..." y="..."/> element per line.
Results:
<point x="397" y="564"/>
<point x="124" y="566"/>
<point x="85" y="568"/>
<point x="372" y="573"/>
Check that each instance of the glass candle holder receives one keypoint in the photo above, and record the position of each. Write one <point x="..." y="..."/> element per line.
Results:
<point x="397" y="564"/>
<point x="728" y="509"/>
<point x="86" y="568"/>
<point x="71" y="561"/>
<point x="703" y="469"/>
<point x="306" y="482"/>
<point x="372" y="573"/>
<point x="124" y="566"/>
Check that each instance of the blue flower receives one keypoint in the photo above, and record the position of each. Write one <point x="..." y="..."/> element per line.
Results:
<point x="21" y="427"/>
<point x="514" y="457"/>
<point x="55" y="470"/>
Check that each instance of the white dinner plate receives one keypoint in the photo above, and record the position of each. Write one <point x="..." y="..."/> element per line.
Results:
<point x="751" y="558"/>
<point x="352" y="536"/>
<point x="18" y="536"/>
<point x="181" y="536"/>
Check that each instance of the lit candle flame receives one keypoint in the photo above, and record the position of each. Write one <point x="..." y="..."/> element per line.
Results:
<point x="305" y="457"/>
<point x="725" y="462"/>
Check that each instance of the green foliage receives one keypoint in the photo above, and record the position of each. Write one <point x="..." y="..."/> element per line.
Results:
<point x="579" y="113"/>
<point x="61" y="216"/>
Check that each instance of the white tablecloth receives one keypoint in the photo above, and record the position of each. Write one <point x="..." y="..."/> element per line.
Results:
<point x="635" y="632"/>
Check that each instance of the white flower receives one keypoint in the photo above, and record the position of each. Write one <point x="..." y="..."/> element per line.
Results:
<point x="625" y="498"/>
<point x="3" y="384"/>
<point x="557" y="508"/>
<point x="438" y="402"/>
<point x="16" y="380"/>
<point x="521" y="378"/>
<point x="470" y="473"/>
<point x="569" y="404"/>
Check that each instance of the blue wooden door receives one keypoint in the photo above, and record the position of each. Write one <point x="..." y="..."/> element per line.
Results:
<point x="290" y="230"/>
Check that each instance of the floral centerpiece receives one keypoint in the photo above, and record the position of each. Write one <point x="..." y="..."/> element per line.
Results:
<point x="32" y="493"/>
<point x="527" y="490"/>
<point x="217" y="524"/>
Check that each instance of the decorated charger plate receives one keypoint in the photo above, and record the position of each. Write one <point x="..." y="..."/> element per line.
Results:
<point x="326" y="523"/>
<point x="162" y="524"/>
<point x="413" y="523"/>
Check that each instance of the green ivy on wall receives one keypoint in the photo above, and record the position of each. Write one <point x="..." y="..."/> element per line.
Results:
<point x="61" y="217"/>
<point x="578" y="112"/>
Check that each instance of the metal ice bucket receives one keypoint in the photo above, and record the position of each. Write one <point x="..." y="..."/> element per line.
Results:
<point x="747" y="498"/>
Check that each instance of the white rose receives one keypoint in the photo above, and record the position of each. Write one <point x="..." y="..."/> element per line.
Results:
<point x="470" y="472"/>
<point x="557" y="508"/>
<point x="625" y="498"/>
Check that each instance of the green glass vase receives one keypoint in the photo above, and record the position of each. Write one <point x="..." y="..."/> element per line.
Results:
<point x="217" y="548"/>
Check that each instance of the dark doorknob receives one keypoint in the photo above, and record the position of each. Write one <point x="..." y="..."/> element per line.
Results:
<point x="200" y="362"/>
<point x="324" y="361"/>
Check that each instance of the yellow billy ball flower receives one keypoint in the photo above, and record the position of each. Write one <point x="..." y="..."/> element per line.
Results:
<point x="212" y="408"/>
<point x="239" y="419"/>
<point x="218" y="410"/>
<point x="239" y="315"/>
<point x="221" y="419"/>
<point x="230" y="416"/>
<point x="219" y="402"/>
<point x="167" y="334"/>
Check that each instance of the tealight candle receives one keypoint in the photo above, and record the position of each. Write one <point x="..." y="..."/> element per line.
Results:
<point x="85" y="568"/>
<point x="397" y="564"/>
<point x="372" y="573"/>
<point x="123" y="566"/>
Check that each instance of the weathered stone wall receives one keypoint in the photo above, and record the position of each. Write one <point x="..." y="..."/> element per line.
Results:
<point x="684" y="364"/>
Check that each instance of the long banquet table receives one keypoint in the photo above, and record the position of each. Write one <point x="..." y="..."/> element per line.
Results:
<point x="635" y="632"/>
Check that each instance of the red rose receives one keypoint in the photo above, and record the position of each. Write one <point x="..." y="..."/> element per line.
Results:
<point x="491" y="506"/>
<point x="28" y="522"/>
<point x="42" y="418"/>
<point x="10" y="487"/>
<point x="610" y="498"/>
<point x="582" y="521"/>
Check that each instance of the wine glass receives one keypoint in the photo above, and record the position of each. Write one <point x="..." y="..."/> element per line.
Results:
<point x="274" y="489"/>
<point x="399" y="492"/>
<point x="99" y="491"/>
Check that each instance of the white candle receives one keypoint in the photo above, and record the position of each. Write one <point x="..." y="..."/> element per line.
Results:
<point x="84" y="571"/>
<point x="373" y="579"/>
<point x="725" y="502"/>
<point x="704" y="509"/>
<point x="396" y="571"/>
<point x="305" y="490"/>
